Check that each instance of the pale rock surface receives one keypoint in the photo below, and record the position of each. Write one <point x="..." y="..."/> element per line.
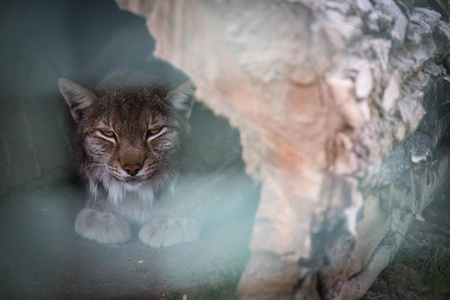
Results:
<point x="328" y="113"/>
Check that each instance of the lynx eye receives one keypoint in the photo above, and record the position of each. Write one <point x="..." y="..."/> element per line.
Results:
<point x="153" y="131"/>
<point x="107" y="133"/>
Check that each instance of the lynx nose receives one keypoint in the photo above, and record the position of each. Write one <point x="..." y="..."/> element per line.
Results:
<point x="132" y="169"/>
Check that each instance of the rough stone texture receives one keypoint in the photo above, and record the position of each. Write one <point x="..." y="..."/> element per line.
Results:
<point x="328" y="97"/>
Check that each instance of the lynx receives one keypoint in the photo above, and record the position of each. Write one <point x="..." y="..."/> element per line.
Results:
<point x="143" y="165"/>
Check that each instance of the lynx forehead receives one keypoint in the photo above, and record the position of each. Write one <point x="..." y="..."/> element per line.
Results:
<point x="129" y="135"/>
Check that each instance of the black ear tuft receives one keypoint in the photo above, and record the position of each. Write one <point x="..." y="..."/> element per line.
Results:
<point x="182" y="98"/>
<point x="77" y="97"/>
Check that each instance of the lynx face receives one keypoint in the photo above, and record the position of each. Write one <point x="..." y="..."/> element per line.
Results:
<point x="128" y="136"/>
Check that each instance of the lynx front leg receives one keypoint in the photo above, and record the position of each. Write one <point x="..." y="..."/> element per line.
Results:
<point x="102" y="227"/>
<point x="169" y="231"/>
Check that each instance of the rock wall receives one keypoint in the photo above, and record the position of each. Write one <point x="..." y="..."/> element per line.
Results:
<point x="329" y="97"/>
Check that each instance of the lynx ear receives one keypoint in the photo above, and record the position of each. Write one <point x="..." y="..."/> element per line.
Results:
<point x="182" y="98"/>
<point x="77" y="97"/>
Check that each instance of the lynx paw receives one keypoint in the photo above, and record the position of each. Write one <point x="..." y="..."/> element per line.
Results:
<point x="102" y="227"/>
<point x="169" y="231"/>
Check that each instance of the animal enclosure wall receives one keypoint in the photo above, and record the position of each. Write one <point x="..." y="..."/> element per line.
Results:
<point x="337" y="104"/>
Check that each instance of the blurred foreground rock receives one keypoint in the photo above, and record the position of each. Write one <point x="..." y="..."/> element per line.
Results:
<point x="337" y="104"/>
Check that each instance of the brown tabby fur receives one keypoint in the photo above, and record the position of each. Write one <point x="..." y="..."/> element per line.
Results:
<point x="142" y="165"/>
